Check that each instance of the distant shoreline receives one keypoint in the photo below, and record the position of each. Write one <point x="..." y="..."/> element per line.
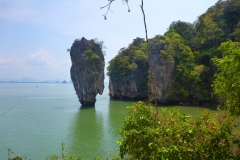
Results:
<point x="37" y="82"/>
<point x="41" y="82"/>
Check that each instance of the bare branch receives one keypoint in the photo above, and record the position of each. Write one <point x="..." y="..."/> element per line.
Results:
<point x="109" y="4"/>
<point x="109" y="7"/>
<point x="151" y="74"/>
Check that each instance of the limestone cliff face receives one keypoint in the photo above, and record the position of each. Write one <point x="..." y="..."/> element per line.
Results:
<point x="128" y="75"/>
<point x="87" y="70"/>
<point x="179" y="75"/>
<point x="162" y="74"/>
<point x="132" y="86"/>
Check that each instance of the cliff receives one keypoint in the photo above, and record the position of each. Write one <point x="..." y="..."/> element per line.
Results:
<point x="176" y="75"/>
<point x="131" y="87"/>
<point x="162" y="69"/>
<point x="128" y="74"/>
<point x="87" y="70"/>
<point x="181" y="59"/>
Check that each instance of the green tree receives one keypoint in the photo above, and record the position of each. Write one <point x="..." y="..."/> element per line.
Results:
<point x="184" y="29"/>
<point x="227" y="82"/>
<point x="211" y="32"/>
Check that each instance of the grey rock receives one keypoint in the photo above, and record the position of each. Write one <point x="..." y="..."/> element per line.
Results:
<point x="130" y="87"/>
<point x="87" y="70"/>
<point x="134" y="84"/>
<point x="162" y="75"/>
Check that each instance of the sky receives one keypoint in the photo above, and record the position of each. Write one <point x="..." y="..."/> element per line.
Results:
<point x="35" y="35"/>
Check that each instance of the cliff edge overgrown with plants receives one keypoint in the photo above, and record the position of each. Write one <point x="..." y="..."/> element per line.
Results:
<point x="181" y="59"/>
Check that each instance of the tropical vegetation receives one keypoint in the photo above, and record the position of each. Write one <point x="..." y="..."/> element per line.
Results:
<point x="207" y="60"/>
<point x="190" y="46"/>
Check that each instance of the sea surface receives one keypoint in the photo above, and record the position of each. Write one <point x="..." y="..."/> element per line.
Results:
<point x="35" y="118"/>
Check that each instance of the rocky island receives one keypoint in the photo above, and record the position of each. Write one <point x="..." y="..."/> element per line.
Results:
<point x="176" y="73"/>
<point x="87" y="70"/>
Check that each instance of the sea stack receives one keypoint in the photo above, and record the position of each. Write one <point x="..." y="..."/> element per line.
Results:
<point x="87" y="70"/>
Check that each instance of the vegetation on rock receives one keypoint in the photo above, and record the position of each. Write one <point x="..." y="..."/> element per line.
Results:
<point x="190" y="47"/>
<point x="196" y="52"/>
<point x="128" y="59"/>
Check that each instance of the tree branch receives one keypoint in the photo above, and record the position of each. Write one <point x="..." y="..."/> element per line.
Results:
<point x="151" y="84"/>
<point x="109" y="7"/>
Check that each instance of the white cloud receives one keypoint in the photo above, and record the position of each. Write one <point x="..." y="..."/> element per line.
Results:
<point x="39" y="65"/>
<point x="42" y="57"/>
<point x="12" y="61"/>
<point x="66" y="63"/>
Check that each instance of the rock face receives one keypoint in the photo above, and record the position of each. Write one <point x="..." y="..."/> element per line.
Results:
<point x="134" y="84"/>
<point x="176" y="77"/>
<point x="87" y="70"/>
<point x="130" y="87"/>
<point x="162" y="74"/>
<point x="128" y="74"/>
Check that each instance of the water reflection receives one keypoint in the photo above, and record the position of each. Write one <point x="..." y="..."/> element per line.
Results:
<point x="85" y="133"/>
<point x="93" y="130"/>
<point x="117" y="112"/>
<point x="91" y="133"/>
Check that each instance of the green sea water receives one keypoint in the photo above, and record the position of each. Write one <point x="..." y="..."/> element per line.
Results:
<point x="35" y="118"/>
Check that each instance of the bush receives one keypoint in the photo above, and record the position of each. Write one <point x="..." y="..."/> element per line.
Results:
<point x="173" y="135"/>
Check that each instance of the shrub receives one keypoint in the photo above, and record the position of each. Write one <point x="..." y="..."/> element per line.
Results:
<point x="173" y="135"/>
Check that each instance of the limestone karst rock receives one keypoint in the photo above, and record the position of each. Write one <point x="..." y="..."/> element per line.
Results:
<point x="130" y="87"/>
<point x="128" y="75"/>
<point x="133" y="84"/>
<point x="87" y="70"/>
<point x="162" y="73"/>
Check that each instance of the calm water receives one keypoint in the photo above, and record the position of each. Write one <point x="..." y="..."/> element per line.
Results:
<point x="51" y="114"/>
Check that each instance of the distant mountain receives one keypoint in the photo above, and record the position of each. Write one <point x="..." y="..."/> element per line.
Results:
<point x="26" y="79"/>
<point x="50" y="81"/>
<point x="7" y="80"/>
<point x="29" y="80"/>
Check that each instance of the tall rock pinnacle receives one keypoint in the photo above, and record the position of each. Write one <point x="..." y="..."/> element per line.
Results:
<point x="87" y="70"/>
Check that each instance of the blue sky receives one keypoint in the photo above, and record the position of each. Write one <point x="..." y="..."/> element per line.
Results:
<point x="35" y="35"/>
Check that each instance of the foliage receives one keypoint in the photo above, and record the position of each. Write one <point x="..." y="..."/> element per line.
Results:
<point x="119" y="66"/>
<point x="186" y="73"/>
<point x="15" y="158"/>
<point x="129" y="59"/>
<point x="92" y="58"/>
<point x="93" y="74"/>
<point x="69" y="156"/>
<point x="184" y="29"/>
<point x="64" y="156"/>
<point x="227" y="82"/>
<point x="101" y="44"/>
<point x="173" y="135"/>
<point x="190" y="46"/>
<point x="203" y="37"/>
<point x="91" y="55"/>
